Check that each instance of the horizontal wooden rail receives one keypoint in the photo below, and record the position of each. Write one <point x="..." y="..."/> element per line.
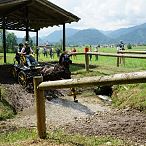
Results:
<point x="110" y="54"/>
<point x="77" y="53"/>
<point x="117" y="55"/>
<point x="123" y="78"/>
<point x="132" y="52"/>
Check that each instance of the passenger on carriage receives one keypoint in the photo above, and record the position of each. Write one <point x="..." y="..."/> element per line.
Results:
<point x="17" y="57"/>
<point x="28" y="53"/>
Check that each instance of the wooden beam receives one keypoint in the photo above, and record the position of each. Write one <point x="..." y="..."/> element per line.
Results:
<point x="116" y="79"/>
<point x="132" y="52"/>
<point x="111" y="54"/>
<point x="37" y="43"/>
<point x="16" y="6"/>
<point x="4" y="39"/>
<point x="64" y="37"/>
<point x="117" y="55"/>
<point x="27" y="23"/>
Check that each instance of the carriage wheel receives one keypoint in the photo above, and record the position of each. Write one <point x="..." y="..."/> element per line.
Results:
<point x="14" y="73"/>
<point x="22" y="79"/>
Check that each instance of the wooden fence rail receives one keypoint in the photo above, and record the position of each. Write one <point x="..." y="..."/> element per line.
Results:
<point x="132" y="52"/>
<point x="119" y="56"/>
<point x="39" y="87"/>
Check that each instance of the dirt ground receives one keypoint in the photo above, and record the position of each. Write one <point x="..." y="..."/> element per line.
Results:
<point x="90" y="116"/>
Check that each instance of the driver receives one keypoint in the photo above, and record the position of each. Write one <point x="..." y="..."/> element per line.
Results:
<point x="27" y="51"/>
<point x="65" y="60"/>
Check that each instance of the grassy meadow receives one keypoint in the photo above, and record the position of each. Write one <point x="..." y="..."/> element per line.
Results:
<point x="104" y="61"/>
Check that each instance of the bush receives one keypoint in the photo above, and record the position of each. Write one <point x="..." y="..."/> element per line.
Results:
<point x="129" y="46"/>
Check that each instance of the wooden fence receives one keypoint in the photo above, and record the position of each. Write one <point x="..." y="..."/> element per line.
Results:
<point x="39" y="87"/>
<point x="120" y="55"/>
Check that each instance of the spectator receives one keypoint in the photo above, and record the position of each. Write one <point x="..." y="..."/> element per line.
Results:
<point x="90" y="50"/>
<point x="118" y="47"/>
<point x="96" y="50"/>
<point x="121" y="48"/>
<point x="51" y="53"/>
<point x="58" y="51"/>
<point x="86" y="49"/>
<point x="74" y="51"/>
<point x="45" y="52"/>
<point x="121" y="45"/>
<point x="38" y="51"/>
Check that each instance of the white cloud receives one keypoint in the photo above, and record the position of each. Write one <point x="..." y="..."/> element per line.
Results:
<point x="102" y="14"/>
<point x="106" y="14"/>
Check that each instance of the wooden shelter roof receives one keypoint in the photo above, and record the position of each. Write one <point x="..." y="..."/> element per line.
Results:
<point x="36" y="14"/>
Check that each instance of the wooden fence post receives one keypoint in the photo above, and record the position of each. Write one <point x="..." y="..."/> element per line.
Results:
<point x="40" y="107"/>
<point x="118" y="59"/>
<point x="86" y="62"/>
<point x="0" y="94"/>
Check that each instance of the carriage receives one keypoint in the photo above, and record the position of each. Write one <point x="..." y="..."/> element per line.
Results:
<point x="23" y="73"/>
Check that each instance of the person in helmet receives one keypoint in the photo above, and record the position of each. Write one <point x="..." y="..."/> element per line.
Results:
<point x="121" y="48"/>
<point x="121" y="45"/>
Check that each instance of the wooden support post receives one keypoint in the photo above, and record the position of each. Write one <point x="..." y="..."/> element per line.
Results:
<point x="64" y="37"/>
<point x="86" y="62"/>
<point x="0" y="94"/>
<point x="27" y="24"/>
<point x="40" y="108"/>
<point x="123" y="58"/>
<point x="37" y="47"/>
<point x="118" y="59"/>
<point x="4" y="38"/>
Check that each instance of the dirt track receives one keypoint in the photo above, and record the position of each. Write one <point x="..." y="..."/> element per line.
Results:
<point x="89" y="117"/>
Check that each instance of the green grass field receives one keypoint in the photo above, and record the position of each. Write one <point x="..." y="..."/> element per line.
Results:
<point x="109" y="62"/>
<point x="132" y="63"/>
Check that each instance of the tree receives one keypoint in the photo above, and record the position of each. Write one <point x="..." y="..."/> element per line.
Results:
<point x="11" y="41"/>
<point x="129" y="46"/>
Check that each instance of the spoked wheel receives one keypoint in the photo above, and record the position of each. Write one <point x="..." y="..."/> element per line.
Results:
<point x="22" y="79"/>
<point x="14" y="73"/>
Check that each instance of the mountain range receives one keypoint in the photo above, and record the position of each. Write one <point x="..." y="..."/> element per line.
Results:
<point x="133" y="35"/>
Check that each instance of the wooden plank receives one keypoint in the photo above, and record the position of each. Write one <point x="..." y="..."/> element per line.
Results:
<point x="132" y="52"/>
<point x="124" y="78"/>
<point x="118" y="55"/>
<point x="111" y="54"/>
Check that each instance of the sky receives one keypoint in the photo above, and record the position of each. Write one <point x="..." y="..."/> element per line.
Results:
<point x="100" y="14"/>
